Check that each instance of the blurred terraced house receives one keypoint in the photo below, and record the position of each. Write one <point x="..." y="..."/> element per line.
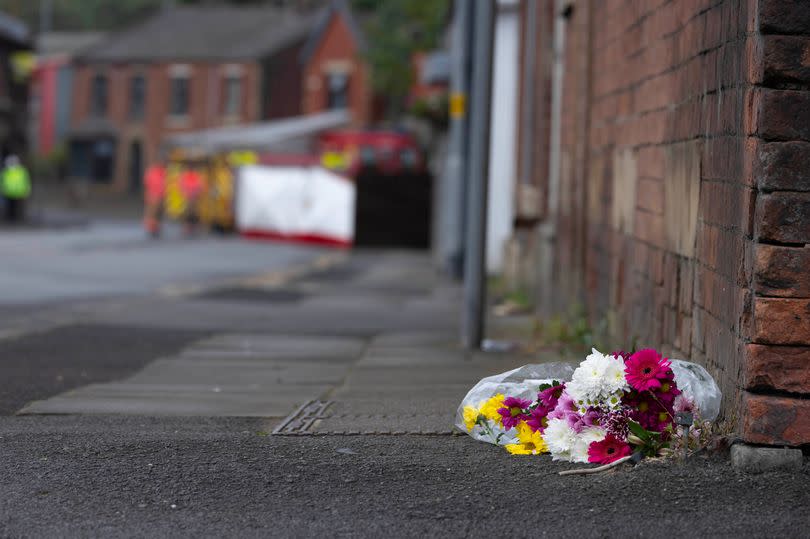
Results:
<point x="192" y="68"/>
<point x="51" y="99"/>
<point x="16" y="62"/>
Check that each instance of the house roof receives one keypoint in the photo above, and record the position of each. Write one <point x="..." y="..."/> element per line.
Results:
<point x="339" y="8"/>
<point x="190" y="33"/>
<point x="65" y="43"/>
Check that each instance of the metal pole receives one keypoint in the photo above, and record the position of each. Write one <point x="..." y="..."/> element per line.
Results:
<point x="451" y="239"/>
<point x="45" y="16"/>
<point x="472" y="323"/>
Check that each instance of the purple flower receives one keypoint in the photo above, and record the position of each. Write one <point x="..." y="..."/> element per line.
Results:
<point x="615" y="423"/>
<point x="565" y="404"/>
<point x="537" y="420"/>
<point x="683" y="403"/>
<point x="549" y="396"/>
<point x="577" y="421"/>
<point x="513" y="411"/>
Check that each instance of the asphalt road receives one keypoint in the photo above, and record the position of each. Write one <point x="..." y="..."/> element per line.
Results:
<point x="105" y="259"/>
<point x="139" y="477"/>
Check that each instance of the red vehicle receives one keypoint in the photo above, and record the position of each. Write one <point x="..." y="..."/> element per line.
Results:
<point x="390" y="152"/>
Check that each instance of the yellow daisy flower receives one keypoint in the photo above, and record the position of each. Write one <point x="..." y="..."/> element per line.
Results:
<point x="518" y="449"/>
<point x="531" y="443"/>
<point x="489" y="408"/>
<point x="470" y="417"/>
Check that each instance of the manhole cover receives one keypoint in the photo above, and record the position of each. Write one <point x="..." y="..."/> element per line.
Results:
<point x="327" y="418"/>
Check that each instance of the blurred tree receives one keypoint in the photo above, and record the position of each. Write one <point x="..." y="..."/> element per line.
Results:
<point x="396" y="29"/>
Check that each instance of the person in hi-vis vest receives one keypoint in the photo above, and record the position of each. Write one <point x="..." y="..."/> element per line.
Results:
<point x="16" y="188"/>
<point x="154" y="183"/>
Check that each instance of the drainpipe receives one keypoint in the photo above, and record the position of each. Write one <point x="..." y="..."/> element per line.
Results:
<point x="528" y="111"/>
<point x="452" y="192"/>
<point x="472" y="322"/>
<point x="548" y="230"/>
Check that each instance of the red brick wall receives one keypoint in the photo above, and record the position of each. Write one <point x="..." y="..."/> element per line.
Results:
<point x="282" y="85"/>
<point x="777" y="353"/>
<point x="338" y="50"/>
<point x="205" y="105"/>
<point x="538" y="115"/>
<point x="684" y="207"/>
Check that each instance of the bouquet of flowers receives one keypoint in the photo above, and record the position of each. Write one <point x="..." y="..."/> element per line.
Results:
<point x="612" y="406"/>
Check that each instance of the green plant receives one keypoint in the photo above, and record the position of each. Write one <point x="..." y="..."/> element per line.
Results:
<point x="573" y="333"/>
<point x="396" y="29"/>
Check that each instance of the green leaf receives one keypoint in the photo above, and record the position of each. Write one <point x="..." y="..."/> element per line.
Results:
<point x="639" y="431"/>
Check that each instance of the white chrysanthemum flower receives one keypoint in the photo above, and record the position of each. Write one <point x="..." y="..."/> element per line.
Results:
<point x="596" y="379"/>
<point x="559" y="438"/>
<point x="579" y="450"/>
<point x="564" y="443"/>
<point x="614" y="401"/>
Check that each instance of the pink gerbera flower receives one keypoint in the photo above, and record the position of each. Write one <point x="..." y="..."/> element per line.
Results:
<point x="512" y="412"/>
<point x="608" y="450"/>
<point x="645" y="369"/>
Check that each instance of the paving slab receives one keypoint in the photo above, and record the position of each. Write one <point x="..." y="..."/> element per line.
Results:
<point x="279" y="346"/>
<point x="178" y="400"/>
<point x="233" y="375"/>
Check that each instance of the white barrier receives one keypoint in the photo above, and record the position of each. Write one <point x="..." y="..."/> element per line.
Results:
<point x="304" y="204"/>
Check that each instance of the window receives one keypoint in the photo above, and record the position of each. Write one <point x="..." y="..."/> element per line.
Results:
<point x="233" y="96"/>
<point x="98" y="95"/>
<point x="137" y="97"/>
<point x="179" y="95"/>
<point x="337" y="87"/>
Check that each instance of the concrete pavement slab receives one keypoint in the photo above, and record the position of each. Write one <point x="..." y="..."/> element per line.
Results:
<point x="179" y="400"/>
<point x="279" y="346"/>
<point x="234" y="375"/>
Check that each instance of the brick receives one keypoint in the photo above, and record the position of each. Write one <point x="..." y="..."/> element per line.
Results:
<point x="722" y="158"/>
<point x="784" y="17"/>
<point x="782" y="271"/>
<point x="650" y="228"/>
<point x="785" y="59"/>
<point x="721" y="203"/>
<point x="773" y="420"/>
<point x="780" y="368"/>
<point x="783" y="166"/>
<point x="685" y="298"/>
<point x="783" y="217"/>
<point x="781" y="114"/>
<point x="715" y="292"/>
<point x="685" y="336"/>
<point x="721" y="249"/>
<point x="782" y="321"/>
<point x="650" y="195"/>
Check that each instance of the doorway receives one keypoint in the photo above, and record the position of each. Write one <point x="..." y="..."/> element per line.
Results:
<point x="135" y="166"/>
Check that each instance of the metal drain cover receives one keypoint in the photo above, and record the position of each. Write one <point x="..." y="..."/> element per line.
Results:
<point x="302" y="419"/>
<point x="327" y="418"/>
